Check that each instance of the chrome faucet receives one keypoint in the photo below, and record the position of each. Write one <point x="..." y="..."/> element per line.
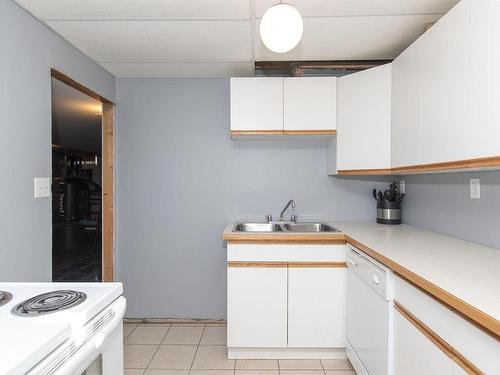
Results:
<point x="290" y="202"/>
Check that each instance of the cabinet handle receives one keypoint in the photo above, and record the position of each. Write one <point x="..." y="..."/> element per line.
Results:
<point x="375" y="279"/>
<point x="351" y="263"/>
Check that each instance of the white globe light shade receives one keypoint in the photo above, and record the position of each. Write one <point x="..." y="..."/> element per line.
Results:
<point x="281" y="28"/>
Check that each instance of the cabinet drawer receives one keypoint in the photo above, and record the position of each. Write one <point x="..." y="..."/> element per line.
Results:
<point x="416" y="354"/>
<point x="286" y="252"/>
<point x="425" y="308"/>
<point x="477" y="346"/>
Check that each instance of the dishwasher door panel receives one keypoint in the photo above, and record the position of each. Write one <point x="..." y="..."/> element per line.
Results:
<point x="368" y="324"/>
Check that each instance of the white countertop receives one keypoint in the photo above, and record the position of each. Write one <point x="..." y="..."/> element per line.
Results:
<point x="468" y="271"/>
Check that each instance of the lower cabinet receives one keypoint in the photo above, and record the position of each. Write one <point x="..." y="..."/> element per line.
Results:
<point x="416" y="354"/>
<point x="286" y="298"/>
<point x="316" y="307"/>
<point x="257" y="307"/>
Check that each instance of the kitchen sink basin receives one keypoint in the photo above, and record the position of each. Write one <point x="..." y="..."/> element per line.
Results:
<point x="309" y="227"/>
<point x="284" y="227"/>
<point x="256" y="227"/>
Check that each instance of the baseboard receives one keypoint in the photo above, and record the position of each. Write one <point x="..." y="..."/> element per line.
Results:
<point x="286" y="353"/>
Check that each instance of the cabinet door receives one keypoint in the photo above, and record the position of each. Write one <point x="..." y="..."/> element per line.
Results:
<point x="485" y="60"/>
<point x="310" y="103"/>
<point x="364" y="113"/>
<point x="446" y="88"/>
<point x="316" y="307"/>
<point x="406" y="94"/>
<point x="257" y="104"/>
<point x="257" y="307"/>
<point x="415" y="354"/>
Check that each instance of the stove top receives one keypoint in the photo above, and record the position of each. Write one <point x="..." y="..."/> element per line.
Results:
<point x="5" y="297"/>
<point x="25" y="341"/>
<point x="49" y="302"/>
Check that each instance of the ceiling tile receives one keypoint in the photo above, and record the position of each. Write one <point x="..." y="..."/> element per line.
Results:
<point x="326" y="8"/>
<point x="351" y="38"/>
<point x="170" y="41"/>
<point x="137" y="9"/>
<point x="150" y="70"/>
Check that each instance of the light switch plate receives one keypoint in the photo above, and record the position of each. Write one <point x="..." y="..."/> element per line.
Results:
<point x="42" y="187"/>
<point x="475" y="188"/>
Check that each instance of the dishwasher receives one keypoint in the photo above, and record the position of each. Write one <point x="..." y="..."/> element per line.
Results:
<point x="369" y="344"/>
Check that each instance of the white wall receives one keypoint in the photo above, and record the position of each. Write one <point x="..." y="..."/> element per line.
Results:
<point x="28" y="50"/>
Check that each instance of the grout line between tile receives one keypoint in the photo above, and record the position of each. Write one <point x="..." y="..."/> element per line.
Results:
<point x="157" y="348"/>
<point x="197" y="347"/>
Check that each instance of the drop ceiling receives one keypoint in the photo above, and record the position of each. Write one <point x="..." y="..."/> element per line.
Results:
<point x="207" y="38"/>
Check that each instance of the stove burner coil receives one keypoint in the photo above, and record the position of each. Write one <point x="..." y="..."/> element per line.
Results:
<point x="5" y="297"/>
<point x="50" y="302"/>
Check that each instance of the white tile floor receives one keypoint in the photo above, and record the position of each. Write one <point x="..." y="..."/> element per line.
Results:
<point x="200" y="349"/>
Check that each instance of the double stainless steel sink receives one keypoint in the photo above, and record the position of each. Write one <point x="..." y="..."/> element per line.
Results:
<point x="284" y="227"/>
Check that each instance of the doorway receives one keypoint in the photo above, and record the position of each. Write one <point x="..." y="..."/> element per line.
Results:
<point x="82" y="183"/>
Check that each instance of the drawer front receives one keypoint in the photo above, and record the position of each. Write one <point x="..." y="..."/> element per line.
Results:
<point x="286" y="253"/>
<point x="477" y="346"/>
<point x="425" y="308"/>
<point x="415" y="354"/>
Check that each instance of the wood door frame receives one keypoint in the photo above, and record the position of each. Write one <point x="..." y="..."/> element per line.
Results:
<point x="108" y="176"/>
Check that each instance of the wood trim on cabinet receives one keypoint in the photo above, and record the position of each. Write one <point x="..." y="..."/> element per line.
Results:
<point x="237" y="238"/>
<point x="446" y="348"/>
<point x="257" y="264"/>
<point x="357" y="172"/>
<point x="466" y="310"/>
<point x="459" y="164"/>
<point x="317" y="264"/>
<point x="243" y="133"/>
<point x="310" y="132"/>
<point x="76" y="85"/>
<point x="239" y="133"/>
<point x="488" y="162"/>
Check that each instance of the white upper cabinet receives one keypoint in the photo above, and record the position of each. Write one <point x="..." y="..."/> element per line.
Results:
<point x="484" y="133"/>
<point x="364" y="120"/>
<point x="446" y="90"/>
<point x="257" y="104"/>
<point x="310" y="104"/>
<point x="406" y="106"/>
<point x="445" y="96"/>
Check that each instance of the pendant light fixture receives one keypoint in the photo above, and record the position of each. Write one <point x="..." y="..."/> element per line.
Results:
<point x="281" y="28"/>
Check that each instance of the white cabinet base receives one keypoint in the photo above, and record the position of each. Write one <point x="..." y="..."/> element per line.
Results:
<point x="355" y="361"/>
<point x="285" y="353"/>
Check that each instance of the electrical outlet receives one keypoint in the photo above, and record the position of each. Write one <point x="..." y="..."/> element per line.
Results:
<point x="475" y="188"/>
<point x="42" y="187"/>
<point x="402" y="186"/>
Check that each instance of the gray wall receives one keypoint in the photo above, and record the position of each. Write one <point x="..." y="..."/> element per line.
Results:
<point x="441" y="202"/>
<point x="27" y="51"/>
<point x="181" y="180"/>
